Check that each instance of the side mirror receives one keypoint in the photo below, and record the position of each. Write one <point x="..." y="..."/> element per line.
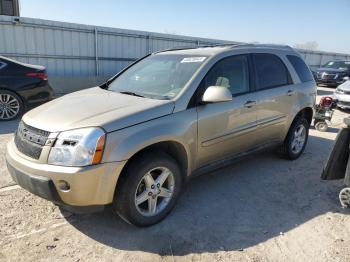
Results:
<point x="346" y="78"/>
<point x="215" y="94"/>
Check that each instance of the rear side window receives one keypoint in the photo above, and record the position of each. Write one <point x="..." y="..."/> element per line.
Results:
<point x="301" y="68"/>
<point x="270" y="71"/>
<point x="232" y="73"/>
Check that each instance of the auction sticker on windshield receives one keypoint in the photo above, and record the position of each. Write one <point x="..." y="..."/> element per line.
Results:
<point x="193" y="59"/>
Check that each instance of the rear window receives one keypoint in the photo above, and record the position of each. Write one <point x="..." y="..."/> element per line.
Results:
<point x="271" y="71"/>
<point x="301" y="68"/>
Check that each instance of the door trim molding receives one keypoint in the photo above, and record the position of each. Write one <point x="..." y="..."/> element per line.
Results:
<point x="238" y="131"/>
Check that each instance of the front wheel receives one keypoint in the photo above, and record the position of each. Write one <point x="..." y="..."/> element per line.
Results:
<point x="296" y="139"/>
<point x="148" y="189"/>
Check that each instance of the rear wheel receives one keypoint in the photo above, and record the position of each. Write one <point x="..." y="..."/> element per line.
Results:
<point x="296" y="139"/>
<point x="321" y="126"/>
<point x="148" y="189"/>
<point x="11" y="105"/>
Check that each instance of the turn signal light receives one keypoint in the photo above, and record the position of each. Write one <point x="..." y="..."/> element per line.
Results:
<point x="99" y="150"/>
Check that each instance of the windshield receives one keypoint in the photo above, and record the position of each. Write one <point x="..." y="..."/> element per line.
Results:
<point x="338" y="65"/>
<point x="157" y="76"/>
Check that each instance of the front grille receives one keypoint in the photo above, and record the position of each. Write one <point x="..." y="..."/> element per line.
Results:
<point x="328" y="76"/>
<point x="30" y="140"/>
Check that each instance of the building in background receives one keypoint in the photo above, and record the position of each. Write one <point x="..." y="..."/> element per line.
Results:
<point x="9" y="7"/>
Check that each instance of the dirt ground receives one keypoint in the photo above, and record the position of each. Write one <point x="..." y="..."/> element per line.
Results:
<point x="262" y="208"/>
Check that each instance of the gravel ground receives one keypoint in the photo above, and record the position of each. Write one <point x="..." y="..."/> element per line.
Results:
<point x="262" y="208"/>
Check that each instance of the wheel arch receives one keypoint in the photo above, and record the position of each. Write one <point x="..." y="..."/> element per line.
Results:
<point x="306" y="113"/>
<point x="16" y="93"/>
<point x="173" y="148"/>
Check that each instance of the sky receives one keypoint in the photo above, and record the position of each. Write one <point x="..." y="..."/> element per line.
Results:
<point x="292" y="22"/>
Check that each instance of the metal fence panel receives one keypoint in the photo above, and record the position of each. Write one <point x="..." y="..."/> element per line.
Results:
<point x="75" y="50"/>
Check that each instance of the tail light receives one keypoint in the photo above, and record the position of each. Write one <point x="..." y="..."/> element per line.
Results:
<point x="42" y="76"/>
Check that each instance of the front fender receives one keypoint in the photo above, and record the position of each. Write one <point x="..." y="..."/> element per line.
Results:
<point x="178" y="127"/>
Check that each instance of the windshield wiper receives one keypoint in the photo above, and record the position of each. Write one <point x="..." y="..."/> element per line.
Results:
<point x="130" y="93"/>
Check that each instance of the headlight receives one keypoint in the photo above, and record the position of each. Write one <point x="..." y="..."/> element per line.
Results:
<point x="340" y="75"/>
<point x="80" y="147"/>
<point x="339" y="91"/>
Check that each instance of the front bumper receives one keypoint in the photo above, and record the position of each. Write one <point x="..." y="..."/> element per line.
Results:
<point x="330" y="82"/>
<point x="91" y="187"/>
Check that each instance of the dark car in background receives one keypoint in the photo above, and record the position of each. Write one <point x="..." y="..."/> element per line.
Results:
<point x="332" y="73"/>
<point x="22" y="87"/>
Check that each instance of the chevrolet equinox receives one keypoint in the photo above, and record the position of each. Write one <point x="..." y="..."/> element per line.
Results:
<point x="134" y="141"/>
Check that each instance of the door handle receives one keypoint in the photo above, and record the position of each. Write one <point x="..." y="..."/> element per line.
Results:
<point x="250" y="104"/>
<point x="290" y="92"/>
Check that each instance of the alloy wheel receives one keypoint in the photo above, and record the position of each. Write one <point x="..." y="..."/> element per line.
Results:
<point x="299" y="139"/>
<point x="154" y="191"/>
<point x="344" y="197"/>
<point x="9" y="106"/>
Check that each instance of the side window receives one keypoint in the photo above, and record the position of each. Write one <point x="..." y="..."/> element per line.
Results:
<point x="232" y="73"/>
<point x="301" y="68"/>
<point x="270" y="71"/>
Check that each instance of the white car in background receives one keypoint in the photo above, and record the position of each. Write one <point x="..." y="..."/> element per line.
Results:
<point x="342" y="94"/>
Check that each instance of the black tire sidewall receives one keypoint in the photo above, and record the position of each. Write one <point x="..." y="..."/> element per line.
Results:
<point x="124" y="201"/>
<point x="19" y="99"/>
<point x="288" y="142"/>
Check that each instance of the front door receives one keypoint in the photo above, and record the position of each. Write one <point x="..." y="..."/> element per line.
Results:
<point x="227" y="128"/>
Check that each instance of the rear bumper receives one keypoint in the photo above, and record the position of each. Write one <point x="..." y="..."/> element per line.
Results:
<point x="90" y="188"/>
<point x="36" y="96"/>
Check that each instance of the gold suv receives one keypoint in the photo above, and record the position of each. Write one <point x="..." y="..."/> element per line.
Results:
<point x="134" y="141"/>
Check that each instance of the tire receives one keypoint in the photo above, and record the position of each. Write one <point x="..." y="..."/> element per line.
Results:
<point x="134" y="184"/>
<point x="11" y="106"/>
<point x="288" y="148"/>
<point x="321" y="126"/>
<point x="337" y="162"/>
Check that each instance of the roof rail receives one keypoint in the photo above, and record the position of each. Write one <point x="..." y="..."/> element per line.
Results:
<point x="195" y="47"/>
<point x="231" y="45"/>
<point x="268" y="46"/>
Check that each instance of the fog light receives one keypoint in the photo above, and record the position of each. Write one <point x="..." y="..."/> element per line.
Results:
<point x="63" y="185"/>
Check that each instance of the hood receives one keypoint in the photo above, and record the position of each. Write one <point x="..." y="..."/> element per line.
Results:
<point x="344" y="86"/>
<point x="330" y="70"/>
<point x="96" y="107"/>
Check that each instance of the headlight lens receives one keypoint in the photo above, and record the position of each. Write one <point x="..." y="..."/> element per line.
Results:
<point x="80" y="147"/>
<point x="339" y="91"/>
<point x="340" y="75"/>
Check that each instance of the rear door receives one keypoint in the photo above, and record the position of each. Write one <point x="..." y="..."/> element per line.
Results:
<point x="227" y="128"/>
<point x="276" y="97"/>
